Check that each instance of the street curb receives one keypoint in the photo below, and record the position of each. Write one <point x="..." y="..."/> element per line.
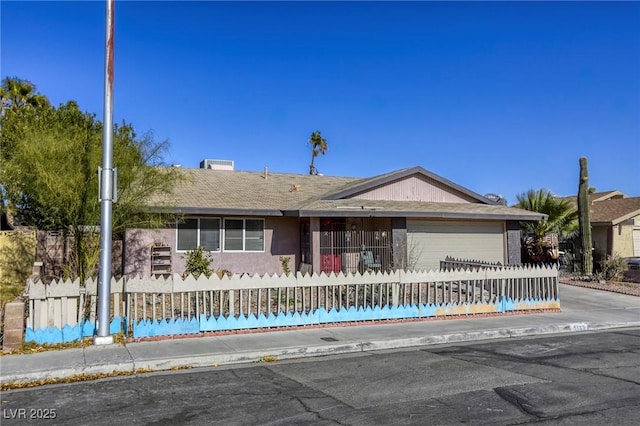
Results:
<point x="253" y="356"/>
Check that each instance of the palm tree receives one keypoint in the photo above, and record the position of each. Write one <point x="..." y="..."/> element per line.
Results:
<point x="16" y="93"/>
<point x="562" y="220"/>
<point x="318" y="146"/>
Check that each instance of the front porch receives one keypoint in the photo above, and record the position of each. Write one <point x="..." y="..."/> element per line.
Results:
<point x="355" y="251"/>
<point x="348" y="245"/>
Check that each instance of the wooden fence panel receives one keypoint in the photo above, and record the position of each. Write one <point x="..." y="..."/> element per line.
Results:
<point x="294" y="299"/>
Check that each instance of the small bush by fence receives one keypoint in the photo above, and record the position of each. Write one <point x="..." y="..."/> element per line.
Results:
<point x="144" y="307"/>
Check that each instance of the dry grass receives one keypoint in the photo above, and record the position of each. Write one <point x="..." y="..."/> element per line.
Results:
<point x="33" y="347"/>
<point x="83" y="377"/>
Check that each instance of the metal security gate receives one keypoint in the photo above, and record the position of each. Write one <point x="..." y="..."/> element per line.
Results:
<point x="355" y="251"/>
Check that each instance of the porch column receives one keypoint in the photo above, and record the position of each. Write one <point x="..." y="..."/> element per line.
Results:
<point x="399" y="238"/>
<point x="314" y="230"/>
<point x="514" y="245"/>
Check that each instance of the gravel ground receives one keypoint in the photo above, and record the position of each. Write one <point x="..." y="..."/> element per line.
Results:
<point x="632" y="289"/>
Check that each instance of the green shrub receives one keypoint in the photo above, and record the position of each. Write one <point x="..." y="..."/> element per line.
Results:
<point x="198" y="263"/>
<point x="284" y="261"/>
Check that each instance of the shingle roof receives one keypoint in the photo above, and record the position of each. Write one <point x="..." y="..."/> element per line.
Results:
<point x="223" y="191"/>
<point x="206" y="191"/>
<point x="595" y="197"/>
<point x="601" y="196"/>
<point x="609" y="207"/>
<point x="614" y="211"/>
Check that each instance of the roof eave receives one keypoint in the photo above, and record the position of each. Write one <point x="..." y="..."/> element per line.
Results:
<point x="617" y="220"/>
<point x="219" y="211"/>
<point x="415" y="214"/>
<point x="626" y="217"/>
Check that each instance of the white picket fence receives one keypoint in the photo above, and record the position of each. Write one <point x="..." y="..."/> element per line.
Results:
<point x="67" y="303"/>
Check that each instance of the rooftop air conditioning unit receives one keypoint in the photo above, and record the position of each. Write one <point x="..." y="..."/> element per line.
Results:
<point x="496" y="198"/>
<point x="216" y="164"/>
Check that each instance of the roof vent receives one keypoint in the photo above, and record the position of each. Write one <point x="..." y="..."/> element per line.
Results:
<point x="216" y="164"/>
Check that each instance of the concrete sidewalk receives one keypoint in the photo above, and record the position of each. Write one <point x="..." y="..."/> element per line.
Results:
<point x="582" y="310"/>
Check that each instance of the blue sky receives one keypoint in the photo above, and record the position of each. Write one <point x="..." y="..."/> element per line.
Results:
<point x="496" y="96"/>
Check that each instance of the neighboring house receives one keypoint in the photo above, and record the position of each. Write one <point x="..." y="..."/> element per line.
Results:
<point x="410" y="218"/>
<point x="615" y="223"/>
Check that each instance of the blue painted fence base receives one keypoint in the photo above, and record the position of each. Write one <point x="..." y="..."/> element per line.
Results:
<point x="149" y="328"/>
<point x="169" y="327"/>
<point x="54" y="335"/>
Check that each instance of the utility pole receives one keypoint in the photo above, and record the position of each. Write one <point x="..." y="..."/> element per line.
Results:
<point x="106" y="188"/>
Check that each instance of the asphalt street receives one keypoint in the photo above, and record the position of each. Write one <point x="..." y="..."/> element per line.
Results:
<point x="589" y="378"/>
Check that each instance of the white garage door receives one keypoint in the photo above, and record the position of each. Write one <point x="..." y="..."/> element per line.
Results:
<point x="429" y="242"/>
<point x="636" y="241"/>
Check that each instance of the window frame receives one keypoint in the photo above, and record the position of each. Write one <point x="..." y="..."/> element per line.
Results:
<point x="198" y="231"/>
<point x="244" y="234"/>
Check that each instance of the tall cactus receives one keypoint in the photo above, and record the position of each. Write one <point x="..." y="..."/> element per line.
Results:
<point x="584" y="220"/>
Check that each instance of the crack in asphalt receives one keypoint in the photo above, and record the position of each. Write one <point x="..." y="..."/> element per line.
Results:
<point x="309" y="410"/>
<point x="576" y="414"/>
<point x="543" y="360"/>
<point x="546" y="361"/>
<point x="178" y="418"/>
<point x="512" y="399"/>
<point x="281" y="388"/>
<point x="622" y="379"/>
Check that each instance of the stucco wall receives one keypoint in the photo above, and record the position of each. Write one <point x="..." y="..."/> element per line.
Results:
<point x="623" y="238"/>
<point x="137" y="249"/>
<point x="620" y="240"/>
<point x="282" y="238"/>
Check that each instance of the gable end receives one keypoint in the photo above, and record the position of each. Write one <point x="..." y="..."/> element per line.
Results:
<point x="412" y="184"/>
<point x="415" y="188"/>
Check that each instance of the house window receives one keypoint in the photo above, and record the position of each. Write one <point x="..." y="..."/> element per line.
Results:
<point x="199" y="232"/>
<point x="244" y="235"/>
